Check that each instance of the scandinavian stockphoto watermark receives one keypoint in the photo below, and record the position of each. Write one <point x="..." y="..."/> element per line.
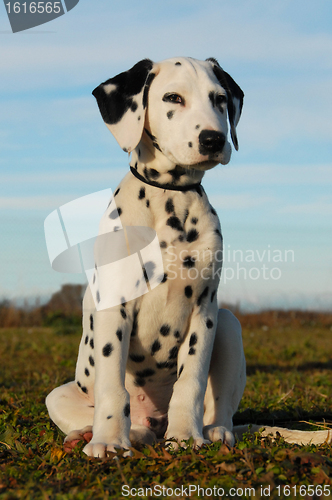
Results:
<point x="26" y="14"/>
<point x="228" y="264"/>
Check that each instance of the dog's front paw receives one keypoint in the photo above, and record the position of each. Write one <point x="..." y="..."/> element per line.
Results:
<point x="179" y="439"/>
<point x="219" y="433"/>
<point x="99" y="448"/>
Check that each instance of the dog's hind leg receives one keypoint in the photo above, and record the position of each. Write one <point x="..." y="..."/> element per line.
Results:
<point x="72" y="412"/>
<point x="227" y="379"/>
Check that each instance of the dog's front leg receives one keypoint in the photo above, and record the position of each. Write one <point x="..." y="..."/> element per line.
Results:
<point x="186" y="409"/>
<point x="111" y="423"/>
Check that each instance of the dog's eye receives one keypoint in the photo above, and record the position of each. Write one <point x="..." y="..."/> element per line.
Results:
<point x="221" y="99"/>
<point x="172" y="97"/>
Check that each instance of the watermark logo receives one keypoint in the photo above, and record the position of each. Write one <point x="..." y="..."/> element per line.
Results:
<point x="27" y="14"/>
<point x="121" y="262"/>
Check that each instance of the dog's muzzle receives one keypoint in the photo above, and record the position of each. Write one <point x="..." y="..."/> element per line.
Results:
<point x="211" y="142"/>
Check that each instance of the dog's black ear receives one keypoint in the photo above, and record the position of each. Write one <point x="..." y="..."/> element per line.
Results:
<point x="234" y="97"/>
<point x="122" y="102"/>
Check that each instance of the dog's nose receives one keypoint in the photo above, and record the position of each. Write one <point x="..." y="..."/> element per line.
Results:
<point x="211" y="142"/>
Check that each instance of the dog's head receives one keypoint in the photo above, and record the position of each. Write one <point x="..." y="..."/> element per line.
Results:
<point x="181" y="106"/>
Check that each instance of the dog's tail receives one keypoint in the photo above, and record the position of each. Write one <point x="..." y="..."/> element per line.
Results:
<point x="290" y="436"/>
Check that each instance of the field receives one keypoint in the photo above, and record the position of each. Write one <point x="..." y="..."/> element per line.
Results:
<point x="289" y="383"/>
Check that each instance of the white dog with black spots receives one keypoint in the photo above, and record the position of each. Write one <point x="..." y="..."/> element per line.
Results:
<point x="167" y="364"/>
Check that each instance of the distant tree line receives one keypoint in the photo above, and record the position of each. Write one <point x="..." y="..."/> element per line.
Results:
<point x="64" y="310"/>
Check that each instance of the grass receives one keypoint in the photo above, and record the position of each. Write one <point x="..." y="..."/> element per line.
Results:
<point x="289" y="379"/>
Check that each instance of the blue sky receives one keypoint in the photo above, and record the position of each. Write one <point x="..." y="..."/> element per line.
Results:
<point x="274" y="196"/>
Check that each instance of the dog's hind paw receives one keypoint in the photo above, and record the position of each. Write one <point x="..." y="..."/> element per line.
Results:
<point x="74" y="437"/>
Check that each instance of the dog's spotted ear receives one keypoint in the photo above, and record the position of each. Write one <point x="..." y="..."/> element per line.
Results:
<point x="122" y="102"/>
<point x="234" y="97"/>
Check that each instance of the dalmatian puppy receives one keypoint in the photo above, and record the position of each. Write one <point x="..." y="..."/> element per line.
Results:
<point x="167" y="364"/>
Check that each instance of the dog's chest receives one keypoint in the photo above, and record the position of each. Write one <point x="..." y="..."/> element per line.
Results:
<point x="190" y="241"/>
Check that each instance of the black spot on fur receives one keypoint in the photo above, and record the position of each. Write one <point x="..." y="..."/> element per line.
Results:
<point x="140" y="382"/>
<point x="149" y="268"/>
<point x="163" y="244"/>
<point x="117" y="192"/>
<point x="212" y="98"/>
<point x="91" y="322"/>
<point x="176" y="173"/>
<point x="181" y="370"/>
<point x="173" y="352"/>
<point x="192" y="351"/>
<point x="213" y="211"/>
<point x="194" y="220"/>
<point x="202" y="296"/>
<point x="166" y="364"/>
<point x="79" y="384"/>
<point x="86" y="339"/>
<point x="119" y="334"/>
<point x="115" y="213"/>
<point x="199" y="190"/>
<point x="146" y="89"/>
<point x="170" y="114"/>
<point x="107" y="349"/>
<point x="174" y="223"/>
<point x="218" y="233"/>
<point x="109" y="416"/>
<point x="190" y="144"/>
<point x="134" y="106"/>
<point x="148" y="372"/>
<point x="193" y="339"/>
<point x="156" y="346"/>
<point x="126" y="410"/>
<point x="177" y="334"/>
<point x="147" y="203"/>
<point x="209" y="323"/>
<point x="164" y="278"/>
<point x="87" y="373"/>
<point x="141" y="193"/>
<point x="164" y="330"/>
<point x="154" y="173"/>
<point x="135" y="324"/>
<point x="146" y="173"/>
<point x="169" y="206"/>
<point x="123" y="313"/>
<point x="189" y="262"/>
<point x="92" y="343"/>
<point x="91" y="361"/>
<point x="188" y="291"/>
<point x="197" y="127"/>
<point x="192" y="235"/>
<point x="178" y="64"/>
<point x="137" y="358"/>
<point x="84" y="389"/>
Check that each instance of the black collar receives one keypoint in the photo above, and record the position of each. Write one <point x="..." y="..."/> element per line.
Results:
<point x="171" y="187"/>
